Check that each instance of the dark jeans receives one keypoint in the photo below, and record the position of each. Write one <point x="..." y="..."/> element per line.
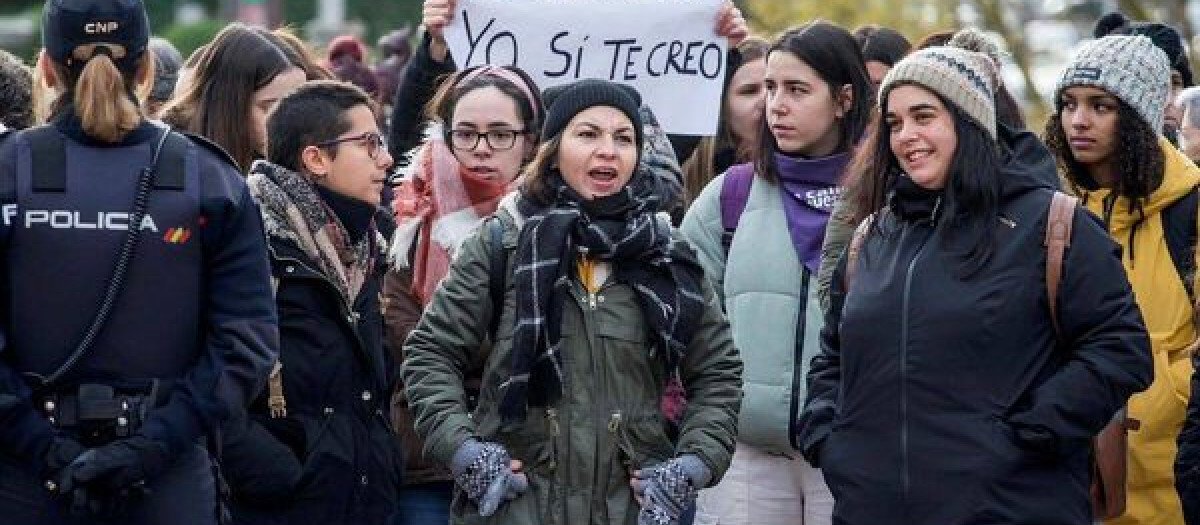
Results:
<point x="184" y="495"/>
<point x="424" y="504"/>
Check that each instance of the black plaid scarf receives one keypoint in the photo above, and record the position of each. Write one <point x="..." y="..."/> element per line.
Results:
<point x="624" y="230"/>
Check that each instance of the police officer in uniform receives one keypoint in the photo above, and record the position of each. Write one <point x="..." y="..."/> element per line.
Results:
<point x="135" y="299"/>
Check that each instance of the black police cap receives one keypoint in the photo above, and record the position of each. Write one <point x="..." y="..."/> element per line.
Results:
<point x="68" y="24"/>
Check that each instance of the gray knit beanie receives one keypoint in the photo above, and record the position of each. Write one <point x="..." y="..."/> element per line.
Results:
<point x="966" y="78"/>
<point x="1130" y="68"/>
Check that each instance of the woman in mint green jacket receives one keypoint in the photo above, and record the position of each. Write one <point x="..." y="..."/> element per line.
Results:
<point x="817" y="104"/>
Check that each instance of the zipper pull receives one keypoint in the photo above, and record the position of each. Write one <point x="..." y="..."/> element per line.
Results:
<point x="552" y="417"/>
<point x="621" y="440"/>
<point x="275" y="399"/>
<point x="592" y="300"/>
<point x="614" y="422"/>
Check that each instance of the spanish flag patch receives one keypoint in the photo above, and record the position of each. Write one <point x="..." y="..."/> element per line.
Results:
<point x="177" y="235"/>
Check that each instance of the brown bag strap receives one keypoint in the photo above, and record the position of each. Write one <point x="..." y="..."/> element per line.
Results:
<point x="856" y="244"/>
<point x="275" y="399"/>
<point x="1058" y="238"/>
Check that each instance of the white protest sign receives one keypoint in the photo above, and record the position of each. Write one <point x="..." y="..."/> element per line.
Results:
<point x="667" y="49"/>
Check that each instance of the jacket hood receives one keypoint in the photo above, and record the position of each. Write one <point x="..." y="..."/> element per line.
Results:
<point x="1026" y="163"/>
<point x="1180" y="176"/>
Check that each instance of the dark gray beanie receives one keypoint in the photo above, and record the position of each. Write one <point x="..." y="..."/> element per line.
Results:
<point x="564" y="102"/>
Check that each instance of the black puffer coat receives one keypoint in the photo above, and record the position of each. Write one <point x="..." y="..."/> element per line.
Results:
<point x="333" y="459"/>
<point x="942" y="401"/>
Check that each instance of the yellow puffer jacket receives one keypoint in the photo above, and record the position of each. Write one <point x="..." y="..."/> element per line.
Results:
<point x="1152" y="499"/>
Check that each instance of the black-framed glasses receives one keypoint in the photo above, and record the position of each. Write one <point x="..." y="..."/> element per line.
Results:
<point x="371" y="139"/>
<point x="497" y="139"/>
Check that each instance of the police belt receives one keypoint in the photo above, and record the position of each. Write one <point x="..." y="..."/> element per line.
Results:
<point x="102" y="412"/>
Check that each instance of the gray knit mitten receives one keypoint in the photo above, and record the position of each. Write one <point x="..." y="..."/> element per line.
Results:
<point x="482" y="470"/>
<point x="669" y="488"/>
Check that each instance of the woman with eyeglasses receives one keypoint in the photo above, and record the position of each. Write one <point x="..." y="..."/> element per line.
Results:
<point x="483" y="129"/>
<point x="316" y="446"/>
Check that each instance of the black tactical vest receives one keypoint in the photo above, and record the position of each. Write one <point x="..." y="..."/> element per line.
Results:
<point x="73" y="203"/>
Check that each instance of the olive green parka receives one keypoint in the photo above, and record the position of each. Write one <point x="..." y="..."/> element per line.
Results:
<point x="578" y="454"/>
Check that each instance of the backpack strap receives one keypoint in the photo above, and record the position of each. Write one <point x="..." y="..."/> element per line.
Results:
<point x="735" y="191"/>
<point x="1179" y="229"/>
<point x="1194" y="261"/>
<point x="856" y="244"/>
<point x="497" y="270"/>
<point x="276" y="401"/>
<point x="1058" y="237"/>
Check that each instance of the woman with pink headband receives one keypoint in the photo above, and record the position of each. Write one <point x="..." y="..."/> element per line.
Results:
<point x="483" y="128"/>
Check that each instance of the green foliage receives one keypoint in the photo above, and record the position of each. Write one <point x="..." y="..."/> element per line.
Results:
<point x="160" y="12"/>
<point x="913" y="19"/>
<point x="296" y="14"/>
<point x="189" y="37"/>
<point x="14" y="7"/>
<point x="377" y="16"/>
<point x="30" y="50"/>
<point x="381" y="17"/>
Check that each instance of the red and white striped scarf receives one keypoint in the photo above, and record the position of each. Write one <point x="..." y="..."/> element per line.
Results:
<point x="436" y="207"/>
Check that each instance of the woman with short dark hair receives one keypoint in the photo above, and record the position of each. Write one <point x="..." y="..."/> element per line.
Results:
<point x="316" y="446"/>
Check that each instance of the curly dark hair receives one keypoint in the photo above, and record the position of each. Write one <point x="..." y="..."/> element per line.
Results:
<point x="16" y="92"/>
<point x="1139" y="159"/>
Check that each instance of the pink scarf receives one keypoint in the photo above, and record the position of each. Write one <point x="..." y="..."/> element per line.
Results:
<point x="436" y="207"/>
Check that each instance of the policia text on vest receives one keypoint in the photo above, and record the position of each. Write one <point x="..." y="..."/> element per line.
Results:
<point x="73" y="219"/>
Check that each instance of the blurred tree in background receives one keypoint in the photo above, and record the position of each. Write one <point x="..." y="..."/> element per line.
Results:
<point x="376" y="16"/>
<point x="914" y="19"/>
<point x="1014" y="21"/>
<point x="1022" y="25"/>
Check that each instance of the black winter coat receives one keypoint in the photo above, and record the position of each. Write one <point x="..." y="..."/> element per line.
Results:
<point x="1187" y="460"/>
<point x="943" y="401"/>
<point x="333" y="459"/>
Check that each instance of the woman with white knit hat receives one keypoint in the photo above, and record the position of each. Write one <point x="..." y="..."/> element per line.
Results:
<point x="1109" y="111"/>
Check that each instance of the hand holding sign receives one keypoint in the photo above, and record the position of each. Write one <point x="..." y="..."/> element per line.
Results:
<point x="731" y="24"/>
<point x="435" y="16"/>
<point x="672" y="51"/>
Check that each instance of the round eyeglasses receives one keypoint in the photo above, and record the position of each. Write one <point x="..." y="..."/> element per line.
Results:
<point x="497" y="139"/>
<point x="371" y="139"/>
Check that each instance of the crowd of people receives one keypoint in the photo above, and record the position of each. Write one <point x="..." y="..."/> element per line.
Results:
<point x="254" y="285"/>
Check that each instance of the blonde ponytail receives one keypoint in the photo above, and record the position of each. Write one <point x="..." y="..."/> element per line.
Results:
<point x="102" y="101"/>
